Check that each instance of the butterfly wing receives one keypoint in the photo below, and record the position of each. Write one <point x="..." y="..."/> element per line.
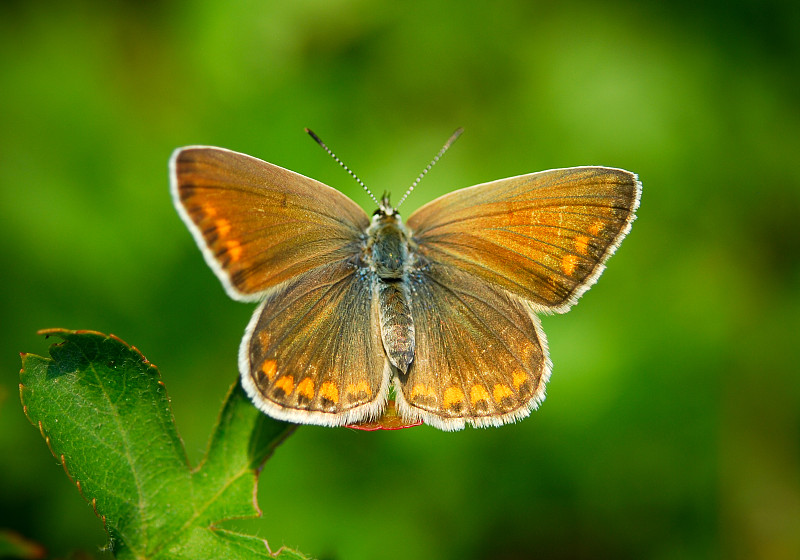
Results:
<point x="313" y="353"/>
<point x="480" y="355"/>
<point x="544" y="237"/>
<point x="486" y="259"/>
<point x="258" y="224"/>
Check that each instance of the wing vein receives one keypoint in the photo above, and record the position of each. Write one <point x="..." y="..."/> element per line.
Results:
<point x="458" y="294"/>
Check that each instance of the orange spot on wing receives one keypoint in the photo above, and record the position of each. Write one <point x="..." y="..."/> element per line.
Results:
<point x="501" y="392"/>
<point x="478" y="393"/>
<point x="568" y="264"/>
<point x="581" y="244"/>
<point x="518" y="379"/>
<point x="596" y="228"/>
<point x="452" y="395"/>
<point x="286" y="383"/>
<point x="306" y="388"/>
<point x="421" y="390"/>
<point x="356" y="388"/>
<point x="209" y="210"/>
<point x="329" y="391"/>
<point x="234" y="250"/>
<point x="223" y="226"/>
<point x="270" y="368"/>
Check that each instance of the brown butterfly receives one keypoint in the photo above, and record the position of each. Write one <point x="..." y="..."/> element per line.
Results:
<point x="440" y="311"/>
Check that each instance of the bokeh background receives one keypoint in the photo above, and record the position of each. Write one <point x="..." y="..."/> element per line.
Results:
<point x="672" y="424"/>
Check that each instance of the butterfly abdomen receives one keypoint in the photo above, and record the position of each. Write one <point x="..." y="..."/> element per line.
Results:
<point x="387" y="256"/>
<point x="397" y="326"/>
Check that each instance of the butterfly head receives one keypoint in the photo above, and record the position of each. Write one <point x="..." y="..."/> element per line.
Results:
<point x="386" y="215"/>
<point x="385" y="207"/>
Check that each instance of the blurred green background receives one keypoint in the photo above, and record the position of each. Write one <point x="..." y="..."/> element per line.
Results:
<point x="672" y="425"/>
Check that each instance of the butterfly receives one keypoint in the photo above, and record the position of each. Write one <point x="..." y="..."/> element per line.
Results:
<point x="439" y="311"/>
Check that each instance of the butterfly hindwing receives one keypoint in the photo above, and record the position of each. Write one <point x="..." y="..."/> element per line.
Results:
<point x="480" y="356"/>
<point x="313" y="352"/>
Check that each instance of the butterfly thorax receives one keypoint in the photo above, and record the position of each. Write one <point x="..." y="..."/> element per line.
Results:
<point x="388" y="258"/>
<point x="387" y="246"/>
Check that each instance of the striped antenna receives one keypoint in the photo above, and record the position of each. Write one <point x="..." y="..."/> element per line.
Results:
<point x="340" y="162"/>
<point x="447" y="145"/>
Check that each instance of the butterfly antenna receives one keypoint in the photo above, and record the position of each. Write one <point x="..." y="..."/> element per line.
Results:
<point x="446" y="146"/>
<point x="340" y="162"/>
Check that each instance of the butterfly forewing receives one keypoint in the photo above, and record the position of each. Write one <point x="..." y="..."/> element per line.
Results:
<point x="480" y="356"/>
<point x="259" y="224"/>
<point x="543" y="236"/>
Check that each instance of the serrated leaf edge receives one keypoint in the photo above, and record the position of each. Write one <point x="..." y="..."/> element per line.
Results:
<point x="77" y="483"/>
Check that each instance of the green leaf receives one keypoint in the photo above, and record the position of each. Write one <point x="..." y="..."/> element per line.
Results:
<point x="105" y="414"/>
